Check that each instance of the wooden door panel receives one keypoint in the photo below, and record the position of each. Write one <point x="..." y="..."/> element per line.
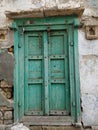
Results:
<point x="45" y="62"/>
<point x="57" y="69"/>
<point x="35" y="69"/>
<point x="57" y="72"/>
<point x="33" y="74"/>
<point x="35" y="99"/>
<point x="35" y="44"/>
<point x="57" y="43"/>
<point x="57" y="97"/>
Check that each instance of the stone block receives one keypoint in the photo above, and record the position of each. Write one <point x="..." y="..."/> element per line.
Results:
<point x="8" y="115"/>
<point x="35" y="128"/>
<point x="60" y="128"/>
<point x="7" y="122"/>
<point x="4" y="108"/>
<point x="7" y="92"/>
<point x="1" y="121"/>
<point x="8" y="128"/>
<point x="22" y="14"/>
<point x="87" y="129"/>
<point x="5" y="84"/>
<point x="55" y="11"/>
<point x="1" y="114"/>
<point x="9" y="95"/>
<point x="54" y="128"/>
<point x="5" y="102"/>
<point x="2" y="127"/>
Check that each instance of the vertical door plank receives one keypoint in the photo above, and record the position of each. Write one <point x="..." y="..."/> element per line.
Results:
<point x="77" y="80"/>
<point x="71" y="71"/>
<point x="46" y="74"/>
<point x="67" y="73"/>
<point x="16" y="81"/>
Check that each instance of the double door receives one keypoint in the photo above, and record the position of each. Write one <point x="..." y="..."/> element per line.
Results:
<point x="46" y="90"/>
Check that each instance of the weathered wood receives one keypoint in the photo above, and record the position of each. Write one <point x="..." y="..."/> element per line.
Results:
<point x="46" y="89"/>
<point x="33" y="74"/>
<point x="58" y="113"/>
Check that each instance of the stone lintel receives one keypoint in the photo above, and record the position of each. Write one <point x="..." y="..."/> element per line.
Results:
<point x="46" y="12"/>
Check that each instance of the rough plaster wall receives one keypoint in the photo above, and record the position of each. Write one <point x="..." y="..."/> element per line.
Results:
<point x="88" y="59"/>
<point x="91" y="7"/>
<point x="16" y="5"/>
<point x="4" y="4"/>
<point x="6" y="66"/>
<point x="88" y="50"/>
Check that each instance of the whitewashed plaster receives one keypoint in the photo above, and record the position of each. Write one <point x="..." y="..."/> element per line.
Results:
<point x="88" y="66"/>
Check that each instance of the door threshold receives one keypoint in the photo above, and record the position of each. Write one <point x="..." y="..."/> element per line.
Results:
<point x="47" y="120"/>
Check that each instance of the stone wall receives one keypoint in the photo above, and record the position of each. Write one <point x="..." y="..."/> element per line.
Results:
<point x="88" y="56"/>
<point x="6" y="109"/>
<point x="6" y="87"/>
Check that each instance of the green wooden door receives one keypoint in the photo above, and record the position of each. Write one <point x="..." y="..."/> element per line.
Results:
<point x="46" y="76"/>
<point x="46" y="73"/>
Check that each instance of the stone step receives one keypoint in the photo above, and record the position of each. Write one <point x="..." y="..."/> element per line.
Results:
<point x="54" y="128"/>
<point x="6" y="127"/>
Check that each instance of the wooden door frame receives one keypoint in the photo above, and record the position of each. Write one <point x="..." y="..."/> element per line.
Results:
<point x="19" y="26"/>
